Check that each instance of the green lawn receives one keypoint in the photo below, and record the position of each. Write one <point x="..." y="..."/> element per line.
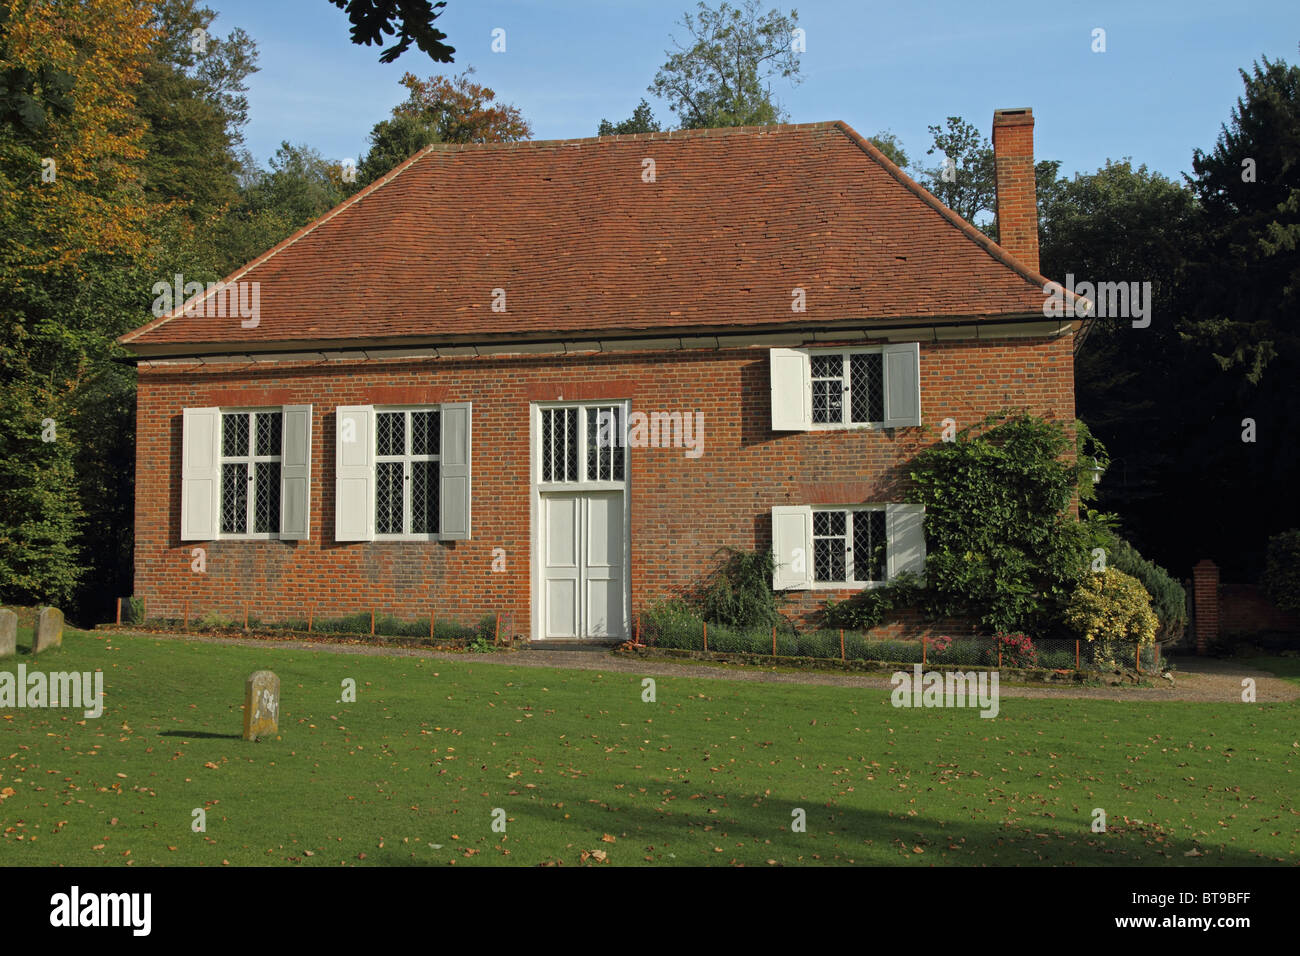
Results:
<point x="1287" y="668"/>
<point x="412" y="771"/>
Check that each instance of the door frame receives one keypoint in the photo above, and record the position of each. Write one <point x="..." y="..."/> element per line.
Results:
<point x="535" y="517"/>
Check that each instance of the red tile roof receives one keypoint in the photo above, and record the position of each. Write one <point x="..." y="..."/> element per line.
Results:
<point x="734" y="221"/>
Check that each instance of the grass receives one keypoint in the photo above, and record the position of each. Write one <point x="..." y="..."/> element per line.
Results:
<point x="710" y="774"/>
<point x="1287" y="668"/>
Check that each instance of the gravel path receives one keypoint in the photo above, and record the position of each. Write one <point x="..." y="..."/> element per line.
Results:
<point x="1197" y="679"/>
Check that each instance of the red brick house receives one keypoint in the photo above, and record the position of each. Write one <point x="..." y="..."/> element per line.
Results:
<point x="553" y="378"/>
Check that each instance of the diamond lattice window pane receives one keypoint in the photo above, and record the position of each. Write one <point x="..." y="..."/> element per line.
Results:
<point x="869" y="546"/>
<point x="828" y="522"/>
<point x="424" y="497"/>
<point x="388" y="497"/>
<point x="828" y="401"/>
<point x="548" y="445"/>
<point x="266" y="497"/>
<point x="828" y="559"/>
<point x="390" y="433"/>
<point x="570" y="444"/>
<point x="424" y="433"/>
<point x="867" y="382"/>
<point x="234" y="434"/>
<point x="268" y="433"/>
<point x="234" y="498"/>
<point x="827" y="366"/>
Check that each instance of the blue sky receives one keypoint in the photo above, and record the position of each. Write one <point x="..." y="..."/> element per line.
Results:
<point x="1166" y="82"/>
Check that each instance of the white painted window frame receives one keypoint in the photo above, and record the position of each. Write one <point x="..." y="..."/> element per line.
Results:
<point x="250" y="461"/>
<point x="407" y="482"/>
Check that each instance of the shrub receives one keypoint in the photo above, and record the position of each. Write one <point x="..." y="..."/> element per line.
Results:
<point x="1282" y="570"/>
<point x="1002" y="544"/>
<point x="1110" y="609"/>
<point x="133" y="610"/>
<point x="739" y="592"/>
<point x="869" y="607"/>
<point x="1013" y="650"/>
<point x="1168" y="597"/>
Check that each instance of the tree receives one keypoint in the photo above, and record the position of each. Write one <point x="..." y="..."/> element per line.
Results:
<point x="641" y="121"/>
<point x="1237" y="389"/>
<point x="439" y="110"/>
<point x="891" y="147"/>
<point x="1122" y="224"/>
<point x="966" y="180"/>
<point x="888" y="144"/>
<point x="722" y="77"/>
<point x="195" y="104"/>
<point x="412" y="20"/>
<point x="74" y="227"/>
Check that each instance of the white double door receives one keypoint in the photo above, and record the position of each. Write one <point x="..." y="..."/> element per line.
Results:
<point x="584" y="577"/>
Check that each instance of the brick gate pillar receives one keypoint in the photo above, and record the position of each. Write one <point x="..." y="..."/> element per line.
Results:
<point x="1205" y="596"/>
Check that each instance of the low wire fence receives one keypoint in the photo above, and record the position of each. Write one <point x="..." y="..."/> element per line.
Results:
<point x="1011" y="651"/>
<point x="493" y="628"/>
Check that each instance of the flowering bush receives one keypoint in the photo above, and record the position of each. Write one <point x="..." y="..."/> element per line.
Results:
<point x="1013" y="650"/>
<point x="940" y="644"/>
<point x="1111" y="609"/>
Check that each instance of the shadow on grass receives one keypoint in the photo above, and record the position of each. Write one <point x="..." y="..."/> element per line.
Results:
<point x="836" y="835"/>
<point x="200" y="735"/>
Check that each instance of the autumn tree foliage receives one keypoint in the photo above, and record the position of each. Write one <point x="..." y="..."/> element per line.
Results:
<point x="72" y="210"/>
<point x="440" y="109"/>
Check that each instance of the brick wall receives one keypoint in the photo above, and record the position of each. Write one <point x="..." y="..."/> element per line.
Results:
<point x="1243" y="610"/>
<point x="682" y="510"/>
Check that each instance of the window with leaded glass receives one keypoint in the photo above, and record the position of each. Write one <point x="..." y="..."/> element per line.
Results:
<point x="583" y="443"/>
<point x="407" y="443"/>
<point x="849" y="546"/>
<point x="250" y="472"/>
<point x="848" y="388"/>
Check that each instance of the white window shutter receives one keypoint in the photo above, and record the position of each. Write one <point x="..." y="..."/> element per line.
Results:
<point x="792" y="547"/>
<point x="454" y="468"/>
<point x="354" y="473"/>
<point x="200" y="473"/>
<point x="791" y="390"/>
<point x="295" y="473"/>
<point x="902" y="384"/>
<point x="905" y="529"/>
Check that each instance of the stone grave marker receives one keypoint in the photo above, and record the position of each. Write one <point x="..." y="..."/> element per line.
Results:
<point x="49" y="630"/>
<point x="8" y="633"/>
<point x="261" y="705"/>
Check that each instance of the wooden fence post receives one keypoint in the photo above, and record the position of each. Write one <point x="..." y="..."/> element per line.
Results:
<point x="372" y="622"/>
<point x="245" y="617"/>
<point x="1076" y="655"/>
<point x="311" y="613"/>
<point x="925" y="646"/>
<point x="185" y="624"/>
<point x="706" y="636"/>
<point x="999" y="652"/>
<point x="774" y="640"/>
<point x="430" y="623"/>
<point x="841" y="643"/>
<point x="496" y="637"/>
<point x="1157" y="658"/>
<point x="1139" y="658"/>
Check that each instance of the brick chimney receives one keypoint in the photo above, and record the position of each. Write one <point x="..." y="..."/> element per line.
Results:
<point x="1013" y="159"/>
